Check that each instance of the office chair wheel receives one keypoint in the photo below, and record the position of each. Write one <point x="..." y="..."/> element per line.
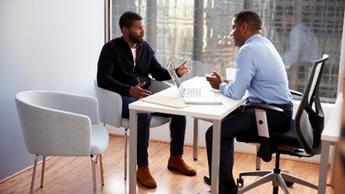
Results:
<point x="239" y="182"/>
<point x="289" y="183"/>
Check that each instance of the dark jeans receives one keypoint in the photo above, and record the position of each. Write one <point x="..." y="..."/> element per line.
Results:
<point x="177" y="131"/>
<point x="242" y="122"/>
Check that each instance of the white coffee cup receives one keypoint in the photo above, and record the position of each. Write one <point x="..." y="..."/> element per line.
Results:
<point x="230" y="73"/>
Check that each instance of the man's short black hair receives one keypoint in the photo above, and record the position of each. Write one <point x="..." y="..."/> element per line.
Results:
<point x="127" y="18"/>
<point x="249" y="17"/>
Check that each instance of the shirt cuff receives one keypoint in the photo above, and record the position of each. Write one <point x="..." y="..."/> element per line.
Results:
<point x="222" y="87"/>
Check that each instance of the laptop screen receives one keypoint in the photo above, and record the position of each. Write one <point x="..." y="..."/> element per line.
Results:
<point x="173" y="75"/>
<point x="203" y="98"/>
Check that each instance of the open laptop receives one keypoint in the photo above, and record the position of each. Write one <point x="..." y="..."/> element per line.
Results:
<point x="191" y="94"/>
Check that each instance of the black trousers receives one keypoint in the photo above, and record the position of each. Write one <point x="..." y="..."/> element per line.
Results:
<point x="238" y="123"/>
<point x="177" y="132"/>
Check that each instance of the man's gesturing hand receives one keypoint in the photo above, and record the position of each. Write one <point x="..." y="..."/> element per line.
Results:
<point x="183" y="69"/>
<point x="215" y="79"/>
<point x="137" y="91"/>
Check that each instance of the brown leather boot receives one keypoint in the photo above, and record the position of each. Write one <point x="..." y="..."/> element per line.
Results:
<point x="145" y="178"/>
<point x="178" y="164"/>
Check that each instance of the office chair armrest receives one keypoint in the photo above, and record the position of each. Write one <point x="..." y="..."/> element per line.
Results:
<point x="264" y="151"/>
<point x="295" y="93"/>
<point x="263" y="106"/>
<point x="157" y="86"/>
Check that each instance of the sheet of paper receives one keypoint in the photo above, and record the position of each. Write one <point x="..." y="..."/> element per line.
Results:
<point x="170" y="101"/>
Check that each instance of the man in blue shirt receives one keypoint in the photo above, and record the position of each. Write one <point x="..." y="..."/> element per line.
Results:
<point x="261" y="77"/>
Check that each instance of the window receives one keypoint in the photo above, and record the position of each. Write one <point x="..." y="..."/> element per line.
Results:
<point x="301" y="30"/>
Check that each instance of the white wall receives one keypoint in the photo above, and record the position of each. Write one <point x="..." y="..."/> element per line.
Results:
<point x="44" y="44"/>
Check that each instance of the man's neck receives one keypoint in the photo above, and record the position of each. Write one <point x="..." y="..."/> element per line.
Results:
<point x="251" y="34"/>
<point x="130" y="44"/>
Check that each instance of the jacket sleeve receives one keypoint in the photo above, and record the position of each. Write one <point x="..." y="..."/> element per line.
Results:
<point x="156" y="70"/>
<point x="106" y="64"/>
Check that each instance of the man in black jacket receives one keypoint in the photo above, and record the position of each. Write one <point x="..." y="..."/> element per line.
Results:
<point x="123" y="67"/>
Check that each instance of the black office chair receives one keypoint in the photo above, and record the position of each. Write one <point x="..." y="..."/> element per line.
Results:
<point x="303" y="139"/>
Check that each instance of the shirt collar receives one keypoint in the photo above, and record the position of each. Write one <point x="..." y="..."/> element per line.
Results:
<point x="252" y="38"/>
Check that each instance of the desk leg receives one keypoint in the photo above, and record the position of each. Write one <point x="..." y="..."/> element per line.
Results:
<point x="331" y="177"/>
<point x="215" y="156"/>
<point x="133" y="120"/>
<point x="195" y="139"/>
<point x="323" y="167"/>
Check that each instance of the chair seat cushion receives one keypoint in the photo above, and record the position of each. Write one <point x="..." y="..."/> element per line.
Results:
<point x="277" y="139"/>
<point x="158" y="120"/>
<point x="99" y="139"/>
<point x="155" y="121"/>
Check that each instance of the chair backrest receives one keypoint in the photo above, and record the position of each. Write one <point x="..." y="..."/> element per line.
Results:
<point x="55" y="123"/>
<point x="110" y="106"/>
<point x="309" y="119"/>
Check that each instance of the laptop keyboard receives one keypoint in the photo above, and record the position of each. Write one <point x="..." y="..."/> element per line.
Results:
<point x="192" y="92"/>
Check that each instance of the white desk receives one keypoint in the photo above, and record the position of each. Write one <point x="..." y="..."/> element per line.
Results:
<point x="329" y="137"/>
<point x="213" y="113"/>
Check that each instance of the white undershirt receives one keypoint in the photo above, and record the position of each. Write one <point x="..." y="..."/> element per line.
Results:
<point x="134" y="54"/>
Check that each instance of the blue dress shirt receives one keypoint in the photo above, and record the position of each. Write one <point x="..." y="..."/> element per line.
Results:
<point x="260" y="74"/>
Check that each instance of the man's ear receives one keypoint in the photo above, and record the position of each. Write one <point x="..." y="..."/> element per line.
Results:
<point x="124" y="29"/>
<point x="244" y="27"/>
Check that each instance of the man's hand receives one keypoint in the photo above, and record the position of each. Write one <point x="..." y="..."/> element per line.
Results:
<point x="215" y="79"/>
<point x="137" y="91"/>
<point x="183" y="68"/>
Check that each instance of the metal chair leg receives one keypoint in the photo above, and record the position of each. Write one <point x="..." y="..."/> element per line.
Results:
<point x="93" y="166"/>
<point x="42" y="171"/>
<point x="101" y="169"/>
<point x="258" y="160"/>
<point x="195" y="139"/>
<point x="33" y="175"/>
<point x="125" y="152"/>
<point x="297" y="180"/>
<point x="96" y="160"/>
<point x="260" y="181"/>
<point x="282" y="184"/>
<point x="259" y="173"/>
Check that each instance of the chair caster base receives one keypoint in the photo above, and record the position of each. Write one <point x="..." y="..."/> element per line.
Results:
<point x="289" y="183"/>
<point x="239" y="182"/>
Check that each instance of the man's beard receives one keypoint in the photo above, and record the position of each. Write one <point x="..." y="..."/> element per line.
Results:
<point x="135" y="39"/>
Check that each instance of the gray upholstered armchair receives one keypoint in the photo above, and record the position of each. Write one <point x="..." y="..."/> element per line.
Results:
<point x="61" y="124"/>
<point x="110" y="107"/>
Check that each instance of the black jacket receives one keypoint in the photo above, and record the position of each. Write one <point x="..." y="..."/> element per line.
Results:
<point x="116" y="71"/>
